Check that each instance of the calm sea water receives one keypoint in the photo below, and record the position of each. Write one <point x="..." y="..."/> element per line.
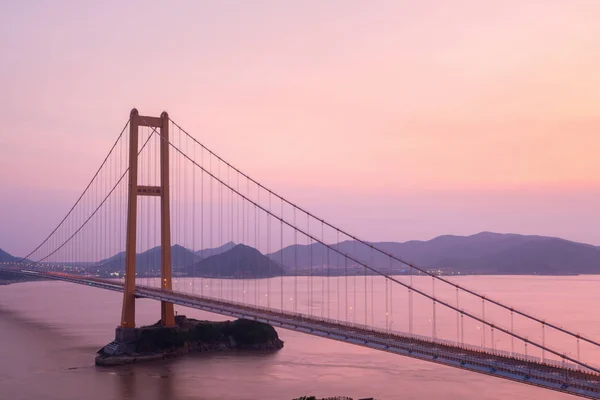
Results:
<point x="50" y="331"/>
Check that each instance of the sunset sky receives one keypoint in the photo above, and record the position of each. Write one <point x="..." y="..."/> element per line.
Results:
<point x="397" y="120"/>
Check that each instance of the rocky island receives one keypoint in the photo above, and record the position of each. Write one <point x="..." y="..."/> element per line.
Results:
<point x="156" y="342"/>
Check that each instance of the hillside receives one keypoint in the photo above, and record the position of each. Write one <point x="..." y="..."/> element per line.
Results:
<point x="239" y="262"/>
<point x="149" y="261"/>
<point x="483" y="253"/>
<point x="5" y="257"/>
<point x="204" y="253"/>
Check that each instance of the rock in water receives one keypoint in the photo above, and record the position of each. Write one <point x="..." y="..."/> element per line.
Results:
<point x="189" y="335"/>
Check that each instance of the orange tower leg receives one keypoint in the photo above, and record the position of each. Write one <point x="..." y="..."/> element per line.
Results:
<point x="128" y="311"/>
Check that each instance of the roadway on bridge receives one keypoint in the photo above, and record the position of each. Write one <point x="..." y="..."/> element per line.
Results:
<point x="577" y="382"/>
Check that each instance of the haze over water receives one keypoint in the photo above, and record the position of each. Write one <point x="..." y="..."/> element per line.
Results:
<point x="51" y="341"/>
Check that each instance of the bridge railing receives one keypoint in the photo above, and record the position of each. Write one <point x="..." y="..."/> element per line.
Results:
<point x="351" y="325"/>
<point x="399" y="334"/>
<point x="534" y="370"/>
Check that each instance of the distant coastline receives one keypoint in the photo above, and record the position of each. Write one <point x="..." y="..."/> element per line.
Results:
<point x="6" y="278"/>
<point x="485" y="253"/>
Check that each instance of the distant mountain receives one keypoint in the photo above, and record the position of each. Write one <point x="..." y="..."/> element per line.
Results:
<point x="241" y="261"/>
<point x="5" y="257"/>
<point x="117" y="256"/>
<point x="301" y="257"/>
<point x="204" y="253"/>
<point x="483" y="253"/>
<point x="149" y="261"/>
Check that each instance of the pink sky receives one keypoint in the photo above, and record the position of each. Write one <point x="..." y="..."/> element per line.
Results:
<point x="396" y="120"/>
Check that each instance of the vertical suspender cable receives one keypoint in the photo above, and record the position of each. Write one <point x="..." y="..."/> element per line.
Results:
<point x="245" y="243"/>
<point x="321" y="270"/>
<point x="354" y="309"/>
<point x="194" y="249"/>
<point x="185" y="262"/>
<point x="337" y="273"/>
<point x="247" y="233"/>
<point x="578" y="359"/>
<point x="211" y="241"/>
<point x="220" y="226"/>
<point x="512" y="338"/>
<point x="202" y="219"/>
<point x="177" y="227"/>
<point x="309" y="249"/>
<point x="483" y="325"/>
<point x="239" y="237"/>
<point x="295" y="265"/>
<point x="457" y="319"/>
<point x="462" y="328"/>
<point x="346" y="287"/>
<point x="256" y="246"/>
<point x="230" y="230"/>
<point x="270" y="277"/>
<point x="543" y="342"/>
<point x="391" y="306"/>
<point x="366" y="305"/>
<point x="311" y="261"/>
<point x="410" y="303"/>
<point x="433" y="321"/>
<point x="387" y="319"/>
<point x="281" y="254"/>
<point x="372" y="290"/>
<point x="328" y="285"/>
<point x="149" y="227"/>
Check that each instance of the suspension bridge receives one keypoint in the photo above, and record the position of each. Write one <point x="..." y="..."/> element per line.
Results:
<point x="245" y="251"/>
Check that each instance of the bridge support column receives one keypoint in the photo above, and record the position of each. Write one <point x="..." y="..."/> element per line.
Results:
<point x="167" y="314"/>
<point x="128" y="312"/>
<point x="127" y="325"/>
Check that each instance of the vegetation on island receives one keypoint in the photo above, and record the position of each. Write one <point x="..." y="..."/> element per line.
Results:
<point x="241" y="334"/>
<point x="189" y="335"/>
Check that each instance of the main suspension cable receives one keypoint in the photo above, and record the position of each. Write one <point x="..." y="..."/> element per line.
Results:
<point x="82" y="194"/>
<point x="400" y="260"/>
<point x="391" y="278"/>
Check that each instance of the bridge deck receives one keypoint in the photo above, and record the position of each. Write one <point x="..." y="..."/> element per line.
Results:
<point x="577" y="382"/>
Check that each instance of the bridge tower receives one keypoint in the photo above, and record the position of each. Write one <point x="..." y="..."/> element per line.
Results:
<point x="127" y="325"/>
